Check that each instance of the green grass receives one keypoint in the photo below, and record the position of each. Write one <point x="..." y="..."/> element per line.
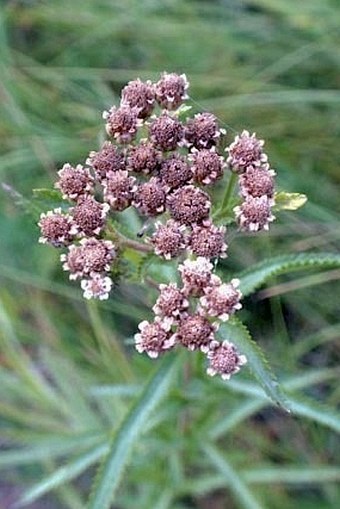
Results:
<point x="70" y="379"/>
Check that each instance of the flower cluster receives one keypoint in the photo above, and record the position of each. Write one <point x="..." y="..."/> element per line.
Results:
<point x="163" y="167"/>
<point x="256" y="182"/>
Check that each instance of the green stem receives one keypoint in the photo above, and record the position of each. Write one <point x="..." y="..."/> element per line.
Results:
<point x="227" y="195"/>
<point x="130" y="243"/>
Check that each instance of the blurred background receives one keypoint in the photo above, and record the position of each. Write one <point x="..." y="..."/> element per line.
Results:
<point x="68" y="372"/>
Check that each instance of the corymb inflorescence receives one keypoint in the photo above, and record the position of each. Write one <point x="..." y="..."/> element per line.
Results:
<point x="165" y="167"/>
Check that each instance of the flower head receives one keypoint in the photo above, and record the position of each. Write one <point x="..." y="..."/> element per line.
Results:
<point x="154" y="338"/>
<point x="189" y="204"/>
<point x="171" y="302"/>
<point x="221" y="300"/>
<point x="224" y="359"/>
<point x="166" y="132"/>
<point x="118" y="189"/>
<point x="207" y="166"/>
<point x="168" y="239"/>
<point x="141" y="95"/>
<point x="195" y="332"/>
<point x="89" y="216"/>
<point x="254" y="214"/>
<point x="171" y="90"/>
<point x="57" y="228"/>
<point x="122" y="123"/>
<point x="150" y="198"/>
<point x="197" y="275"/>
<point x="144" y="158"/>
<point x="108" y="158"/>
<point x="74" y="182"/>
<point x="208" y="240"/>
<point x="90" y="256"/>
<point x="257" y="181"/>
<point x="245" y="150"/>
<point x="175" y="172"/>
<point x="97" y="287"/>
<point x="202" y="131"/>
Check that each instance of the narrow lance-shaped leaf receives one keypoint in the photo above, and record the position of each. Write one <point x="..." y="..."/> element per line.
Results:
<point x="258" y="274"/>
<point x="110" y="473"/>
<point x="236" y="332"/>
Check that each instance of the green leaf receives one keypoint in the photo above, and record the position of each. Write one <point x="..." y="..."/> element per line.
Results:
<point x="236" y="484"/>
<point x="236" y="332"/>
<point x="258" y="274"/>
<point x="289" y="201"/>
<point x="110" y="473"/>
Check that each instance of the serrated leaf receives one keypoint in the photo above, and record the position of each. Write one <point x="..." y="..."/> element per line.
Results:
<point x="258" y="274"/>
<point x="236" y="332"/>
<point x="110" y="473"/>
<point x="47" y="199"/>
<point x="289" y="201"/>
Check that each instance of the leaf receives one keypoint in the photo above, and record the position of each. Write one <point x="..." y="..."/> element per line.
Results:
<point x="258" y="274"/>
<point x="236" y="332"/>
<point x="236" y="484"/>
<point x="110" y="473"/>
<point x="289" y="201"/>
<point x="47" y="199"/>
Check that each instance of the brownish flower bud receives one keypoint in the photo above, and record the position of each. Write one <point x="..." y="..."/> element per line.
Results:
<point x="73" y="182"/>
<point x="171" y="302"/>
<point x="254" y="214"/>
<point x="141" y="95"/>
<point x="197" y="275"/>
<point x="207" y="165"/>
<point x="166" y="132"/>
<point x="171" y="90"/>
<point x="195" y="332"/>
<point x="221" y="300"/>
<point x="155" y="337"/>
<point x="189" y="204"/>
<point x="109" y="158"/>
<point x="144" y="158"/>
<point x="119" y="189"/>
<point x="122" y="123"/>
<point x="91" y="255"/>
<point x="175" y="172"/>
<point x="89" y="216"/>
<point x="150" y="198"/>
<point x="207" y="240"/>
<point x="97" y="287"/>
<point x="202" y="131"/>
<point x="246" y="150"/>
<point x="224" y="359"/>
<point x="168" y="239"/>
<point x="257" y="181"/>
<point x="57" y="228"/>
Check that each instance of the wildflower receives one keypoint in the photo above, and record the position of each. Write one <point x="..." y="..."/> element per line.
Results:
<point x="109" y="158"/>
<point x="118" y="189"/>
<point x="90" y="256"/>
<point x="175" y="172"/>
<point x="154" y="338"/>
<point x="140" y="95"/>
<point x="254" y="214"/>
<point x="166" y="132"/>
<point x="202" y="131"/>
<point x="144" y="158"/>
<point x="150" y="198"/>
<point x="97" y="287"/>
<point x="207" y="165"/>
<point x="221" y="300"/>
<point x="224" y="359"/>
<point x="89" y="216"/>
<point x="168" y="239"/>
<point x="122" y="123"/>
<point x="245" y="150"/>
<point x="197" y="275"/>
<point x="257" y="181"/>
<point x="74" y="182"/>
<point x="207" y="240"/>
<point x="171" y="90"/>
<point x="57" y="228"/>
<point x="171" y="302"/>
<point x="195" y="332"/>
<point x="189" y="204"/>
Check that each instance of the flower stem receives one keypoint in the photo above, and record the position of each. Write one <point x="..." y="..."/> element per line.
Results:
<point x="227" y="195"/>
<point x="126" y="242"/>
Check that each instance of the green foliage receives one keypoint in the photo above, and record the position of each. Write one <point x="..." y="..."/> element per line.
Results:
<point x="71" y="385"/>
